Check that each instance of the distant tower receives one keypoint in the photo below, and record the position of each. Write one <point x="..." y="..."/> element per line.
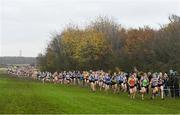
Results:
<point x="20" y="53"/>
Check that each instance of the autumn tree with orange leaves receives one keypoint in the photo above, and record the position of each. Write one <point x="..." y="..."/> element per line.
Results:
<point x="105" y="44"/>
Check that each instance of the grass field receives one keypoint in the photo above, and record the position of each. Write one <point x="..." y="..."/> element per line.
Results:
<point x="19" y="95"/>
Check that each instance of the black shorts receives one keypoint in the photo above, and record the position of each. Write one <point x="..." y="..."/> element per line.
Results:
<point x="159" y="85"/>
<point x="144" y="86"/>
<point x="91" y="81"/>
<point x="108" y="83"/>
<point x="68" y="79"/>
<point x="100" y="80"/>
<point x="132" y="87"/>
<point x="113" y="83"/>
<point x="153" y="86"/>
<point x="120" y="82"/>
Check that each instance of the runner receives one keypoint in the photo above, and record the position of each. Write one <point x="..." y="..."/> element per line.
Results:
<point x="99" y="79"/>
<point x="107" y="81"/>
<point x="160" y="85"/>
<point x="132" y="83"/>
<point x="113" y="83"/>
<point x="154" y="85"/>
<point x="92" y="81"/>
<point x="144" y="85"/>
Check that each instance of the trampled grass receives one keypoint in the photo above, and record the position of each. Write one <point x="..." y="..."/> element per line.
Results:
<point x="19" y="95"/>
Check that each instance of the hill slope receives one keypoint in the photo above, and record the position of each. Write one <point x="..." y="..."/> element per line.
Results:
<point x="19" y="95"/>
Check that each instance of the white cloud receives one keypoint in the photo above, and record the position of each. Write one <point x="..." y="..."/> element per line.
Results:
<point x="27" y="23"/>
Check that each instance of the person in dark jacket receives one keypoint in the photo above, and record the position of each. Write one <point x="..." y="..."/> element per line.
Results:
<point x="176" y="85"/>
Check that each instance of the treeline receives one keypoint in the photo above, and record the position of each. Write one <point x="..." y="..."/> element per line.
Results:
<point x="105" y="44"/>
<point x="10" y="60"/>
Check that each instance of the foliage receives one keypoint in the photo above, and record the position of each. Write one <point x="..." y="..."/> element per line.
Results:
<point x="105" y="44"/>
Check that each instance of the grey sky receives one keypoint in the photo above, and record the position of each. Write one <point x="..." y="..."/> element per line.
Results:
<point x="27" y="24"/>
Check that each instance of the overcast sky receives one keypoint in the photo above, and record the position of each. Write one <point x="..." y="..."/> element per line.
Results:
<point x="27" y="24"/>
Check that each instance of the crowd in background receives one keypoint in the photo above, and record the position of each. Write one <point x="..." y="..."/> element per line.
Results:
<point x="157" y="83"/>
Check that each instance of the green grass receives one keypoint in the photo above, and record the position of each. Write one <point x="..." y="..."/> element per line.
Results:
<point x="2" y="70"/>
<point x="19" y="95"/>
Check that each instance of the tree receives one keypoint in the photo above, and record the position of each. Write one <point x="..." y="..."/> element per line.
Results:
<point x="104" y="44"/>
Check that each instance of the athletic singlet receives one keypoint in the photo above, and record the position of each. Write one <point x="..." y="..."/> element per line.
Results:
<point x="81" y="77"/>
<point x="160" y="81"/>
<point x="132" y="82"/>
<point x="154" y="82"/>
<point x="121" y="79"/>
<point x="107" y="80"/>
<point x="117" y="78"/>
<point x="144" y="82"/>
<point x="92" y="78"/>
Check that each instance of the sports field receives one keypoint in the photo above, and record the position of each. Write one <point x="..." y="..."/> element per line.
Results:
<point x="20" y="95"/>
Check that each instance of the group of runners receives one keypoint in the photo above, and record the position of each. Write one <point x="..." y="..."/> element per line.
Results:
<point x="133" y="83"/>
<point x="26" y="71"/>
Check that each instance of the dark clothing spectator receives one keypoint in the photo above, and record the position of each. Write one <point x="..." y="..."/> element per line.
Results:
<point x="171" y="85"/>
<point x="166" y="92"/>
<point x="176" y="85"/>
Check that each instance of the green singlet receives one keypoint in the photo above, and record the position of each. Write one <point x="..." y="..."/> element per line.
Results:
<point x="144" y="83"/>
